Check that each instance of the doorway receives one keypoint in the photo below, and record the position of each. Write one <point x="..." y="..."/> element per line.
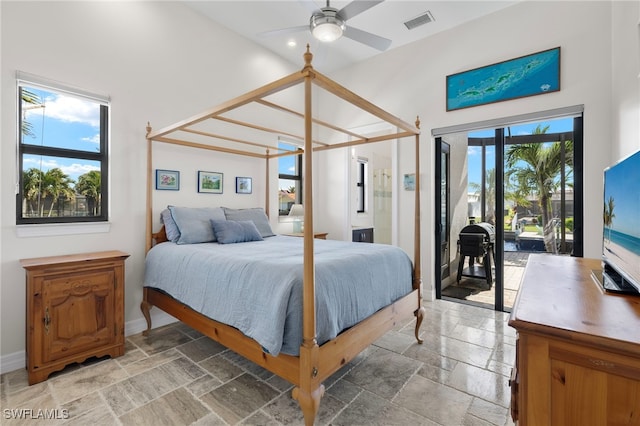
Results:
<point x="520" y="183"/>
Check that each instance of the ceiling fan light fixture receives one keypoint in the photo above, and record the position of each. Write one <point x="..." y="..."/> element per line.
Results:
<point x="327" y="26"/>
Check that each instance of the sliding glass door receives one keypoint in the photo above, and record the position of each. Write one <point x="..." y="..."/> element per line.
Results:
<point x="519" y="185"/>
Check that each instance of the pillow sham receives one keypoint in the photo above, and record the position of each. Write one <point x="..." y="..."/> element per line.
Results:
<point x="170" y="227"/>
<point x="193" y="223"/>
<point x="232" y="231"/>
<point x="257" y="215"/>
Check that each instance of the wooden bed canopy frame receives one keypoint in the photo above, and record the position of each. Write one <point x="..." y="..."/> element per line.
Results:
<point x="315" y="363"/>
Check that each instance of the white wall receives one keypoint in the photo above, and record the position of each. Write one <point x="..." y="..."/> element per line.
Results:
<point x="583" y="30"/>
<point x="625" y="48"/>
<point x="159" y="62"/>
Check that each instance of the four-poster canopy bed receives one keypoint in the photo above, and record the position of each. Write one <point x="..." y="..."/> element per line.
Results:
<point x="313" y="361"/>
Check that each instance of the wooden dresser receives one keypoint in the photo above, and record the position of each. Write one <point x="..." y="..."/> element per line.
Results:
<point x="578" y="348"/>
<point x="75" y="310"/>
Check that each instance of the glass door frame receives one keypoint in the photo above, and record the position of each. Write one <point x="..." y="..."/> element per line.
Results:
<point x="500" y="142"/>
<point x="442" y="148"/>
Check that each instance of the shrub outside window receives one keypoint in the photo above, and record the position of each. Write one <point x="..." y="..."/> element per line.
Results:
<point x="62" y="155"/>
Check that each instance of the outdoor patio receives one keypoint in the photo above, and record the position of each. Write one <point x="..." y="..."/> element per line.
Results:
<point x="477" y="290"/>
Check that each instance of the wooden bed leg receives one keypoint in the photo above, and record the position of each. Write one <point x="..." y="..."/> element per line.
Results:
<point x="145" y="307"/>
<point x="309" y="403"/>
<point x="419" y="317"/>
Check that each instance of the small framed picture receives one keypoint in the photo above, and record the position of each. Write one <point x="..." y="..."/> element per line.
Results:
<point x="168" y="179"/>
<point x="210" y="182"/>
<point x="243" y="185"/>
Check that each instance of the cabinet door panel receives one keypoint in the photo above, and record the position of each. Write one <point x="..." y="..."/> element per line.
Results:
<point x="585" y="396"/>
<point x="570" y="404"/>
<point x="80" y="311"/>
<point x="623" y="402"/>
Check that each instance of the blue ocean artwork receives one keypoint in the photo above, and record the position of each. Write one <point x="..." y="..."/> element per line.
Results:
<point x="629" y="242"/>
<point x="530" y="75"/>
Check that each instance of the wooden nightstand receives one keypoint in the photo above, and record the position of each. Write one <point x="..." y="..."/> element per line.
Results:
<point x="318" y="235"/>
<point x="75" y="310"/>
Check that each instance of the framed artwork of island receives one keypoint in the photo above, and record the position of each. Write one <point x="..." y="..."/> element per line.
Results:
<point x="534" y="74"/>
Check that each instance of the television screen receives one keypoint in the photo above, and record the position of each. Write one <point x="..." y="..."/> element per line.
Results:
<point x="621" y="236"/>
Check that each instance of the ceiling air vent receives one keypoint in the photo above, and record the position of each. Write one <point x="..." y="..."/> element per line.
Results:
<point x="421" y="19"/>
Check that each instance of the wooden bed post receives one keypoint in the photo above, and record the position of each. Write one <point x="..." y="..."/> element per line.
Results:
<point x="417" y="271"/>
<point x="310" y="390"/>
<point x="149" y="214"/>
<point x="266" y="201"/>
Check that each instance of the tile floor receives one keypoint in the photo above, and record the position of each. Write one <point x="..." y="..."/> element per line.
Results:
<point x="459" y="376"/>
<point x="477" y="291"/>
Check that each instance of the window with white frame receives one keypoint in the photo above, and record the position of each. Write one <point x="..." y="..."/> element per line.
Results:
<point x="62" y="154"/>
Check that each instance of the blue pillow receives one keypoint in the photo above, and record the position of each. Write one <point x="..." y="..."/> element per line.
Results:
<point x="256" y="215"/>
<point x="193" y="223"/>
<point x="170" y="227"/>
<point x="232" y="231"/>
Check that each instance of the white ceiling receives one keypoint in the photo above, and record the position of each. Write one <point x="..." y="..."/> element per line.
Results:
<point x="250" y="18"/>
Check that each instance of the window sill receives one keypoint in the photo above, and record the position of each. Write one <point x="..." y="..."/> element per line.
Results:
<point x="54" y="229"/>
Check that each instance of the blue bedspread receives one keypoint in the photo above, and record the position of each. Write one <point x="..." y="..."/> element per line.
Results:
<point x="257" y="286"/>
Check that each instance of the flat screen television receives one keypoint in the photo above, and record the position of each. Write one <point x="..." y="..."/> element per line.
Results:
<point x="621" y="234"/>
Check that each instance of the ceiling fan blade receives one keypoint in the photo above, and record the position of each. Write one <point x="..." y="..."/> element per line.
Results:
<point x="367" y="38"/>
<point x="283" y="31"/>
<point x="356" y="7"/>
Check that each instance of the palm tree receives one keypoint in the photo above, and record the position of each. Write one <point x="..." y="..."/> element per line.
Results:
<point x="57" y="185"/>
<point x="609" y="215"/>
<point x="489" y="194"/>
<point x="89" y="185"/>
<point x="511" y="192"/>
<point x="31" y="98"/>
<point x="31" y="185"/>
<point x="535" y="168"/>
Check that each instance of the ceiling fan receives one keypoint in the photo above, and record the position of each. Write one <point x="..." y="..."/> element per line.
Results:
<point x="328" y="24"/>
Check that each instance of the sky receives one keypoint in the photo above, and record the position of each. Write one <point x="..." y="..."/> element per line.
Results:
<point x="66" y="122"/>
<point x="621" y="184"/>
<point x="475" y="152"/>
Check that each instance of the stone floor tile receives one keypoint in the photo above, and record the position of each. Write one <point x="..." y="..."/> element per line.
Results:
<point x="100" y="415"/>
<point x="372" y="410"/>
<point x="149" y="362"/>
<point x="485" y="384"/>
<point x="239" y="398"/>
<point x="83" y="404"/>
<point x="395" y="341"/>
<point x="71" y="386"/>
<point x="178" y="407"/>
<point x="286" y="410"/>
<point x="383" y="373"/>
<point x="435" y="401"/>
<point x="201" y="348"/>
<point x="490" y="412"/>
<point x="221" y="368"/>
<point x="160" y="339"/>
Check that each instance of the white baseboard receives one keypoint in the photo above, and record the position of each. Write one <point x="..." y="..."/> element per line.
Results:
<point x="18" y="360"/>
<point x="139" y="325"/>
<point x="12" y="362"/>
